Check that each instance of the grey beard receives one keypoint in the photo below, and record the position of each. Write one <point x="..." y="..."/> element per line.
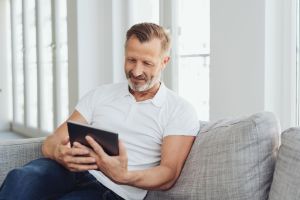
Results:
<point x="148" y="85"/>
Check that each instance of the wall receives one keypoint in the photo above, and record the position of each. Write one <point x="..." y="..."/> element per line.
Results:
<point x="5" y="89"/>
<point x="237" y="57"/>
<point x="94" y="44"/>
<point x="252" y="49"/>
<point x="90" y="46"/>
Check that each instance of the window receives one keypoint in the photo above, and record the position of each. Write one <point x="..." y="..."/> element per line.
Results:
<point x="39" y="65"/>
<point x="189" y="24"/>
<point x="193" y="53"/>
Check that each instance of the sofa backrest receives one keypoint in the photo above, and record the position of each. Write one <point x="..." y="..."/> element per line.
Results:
<point x="17" y="152"/>
<point x="230" y="160"/>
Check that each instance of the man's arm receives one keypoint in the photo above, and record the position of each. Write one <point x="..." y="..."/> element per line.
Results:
<point x="175" y="150"/>
<point x="57" y="147"/>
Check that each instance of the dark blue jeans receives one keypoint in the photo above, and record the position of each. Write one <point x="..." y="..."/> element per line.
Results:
<point x="46" y="179"/>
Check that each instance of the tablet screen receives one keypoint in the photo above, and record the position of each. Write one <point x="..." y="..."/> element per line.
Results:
<point x="108" y="140"/>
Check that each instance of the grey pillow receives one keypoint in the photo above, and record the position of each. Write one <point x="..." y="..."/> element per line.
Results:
<point x="286" y="182"/>
<point x="230" y="159"/>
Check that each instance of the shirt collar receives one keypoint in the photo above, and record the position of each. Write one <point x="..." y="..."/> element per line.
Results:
<point x="125" y="91"/>
<point x="157" y="100"/>
<point x="160" y="96"/>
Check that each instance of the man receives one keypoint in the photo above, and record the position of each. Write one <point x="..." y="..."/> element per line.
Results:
<point x="156" y="130"/>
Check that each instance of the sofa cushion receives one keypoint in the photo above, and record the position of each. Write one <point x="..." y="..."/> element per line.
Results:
<point x="17" y="152"/>
<point x="230" y="159"/>
<point x="286" y="181"/>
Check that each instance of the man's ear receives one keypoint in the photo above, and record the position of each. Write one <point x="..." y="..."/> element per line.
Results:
<point x="166" y="59"/>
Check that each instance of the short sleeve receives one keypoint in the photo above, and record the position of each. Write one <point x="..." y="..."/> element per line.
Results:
<point x="86" y="104"/>
<point x="183" y="121"/>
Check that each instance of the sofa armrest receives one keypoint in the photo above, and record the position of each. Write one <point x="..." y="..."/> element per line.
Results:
<point x="17" y="152"/>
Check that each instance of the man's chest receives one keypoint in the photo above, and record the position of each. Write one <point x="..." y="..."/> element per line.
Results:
<point x="130" y="119"/>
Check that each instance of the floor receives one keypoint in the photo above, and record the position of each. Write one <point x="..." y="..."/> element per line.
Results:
<point x="10" y="135"/>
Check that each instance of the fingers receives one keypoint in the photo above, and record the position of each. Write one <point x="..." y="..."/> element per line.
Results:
<point x="76" y="152"/>
<point x="96" y="147"/>
<point x="79" y="152"/>
<point x="79" y="168"/>
<point x="80" y="160"/>
<point x="78" y="145"/>
<point x="76" y="158"/>
<point x="79" y="163"/>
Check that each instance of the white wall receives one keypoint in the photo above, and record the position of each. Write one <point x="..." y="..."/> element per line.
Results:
<point x="90" y="46"/>
<point x="237" y="57"/>
<point x="5" y="94"/>
<point x="94" y="44"/>
<point x="251" y="54"/>
<point x="120" y="25"/>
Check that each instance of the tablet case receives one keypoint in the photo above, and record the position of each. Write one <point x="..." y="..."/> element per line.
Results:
<point x="108" y="140"/>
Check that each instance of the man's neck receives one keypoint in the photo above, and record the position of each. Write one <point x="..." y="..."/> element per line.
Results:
<point x="145" y="95"/>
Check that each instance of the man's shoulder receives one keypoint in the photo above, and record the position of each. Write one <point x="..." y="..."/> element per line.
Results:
<point x="173" y="98"/>
<point x="177" y="104"/>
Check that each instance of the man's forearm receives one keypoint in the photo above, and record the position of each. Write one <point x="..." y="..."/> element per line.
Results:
<point x="157" y="178"/>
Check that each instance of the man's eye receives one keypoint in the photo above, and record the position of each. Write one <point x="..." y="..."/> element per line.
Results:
<point x="147" y="63"/>
<point x="131" y="60"/>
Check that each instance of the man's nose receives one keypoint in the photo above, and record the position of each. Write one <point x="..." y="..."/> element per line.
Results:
<point x="137" y="69"/>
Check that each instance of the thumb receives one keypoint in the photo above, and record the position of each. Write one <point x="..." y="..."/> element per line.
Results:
<point x="122" y="150"/>
<point x="65" y="141"/>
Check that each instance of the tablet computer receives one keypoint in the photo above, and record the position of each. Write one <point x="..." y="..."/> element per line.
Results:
<point x="109" y="141"/>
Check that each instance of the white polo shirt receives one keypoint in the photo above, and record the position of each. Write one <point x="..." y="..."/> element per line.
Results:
<point x="140" y="125"/>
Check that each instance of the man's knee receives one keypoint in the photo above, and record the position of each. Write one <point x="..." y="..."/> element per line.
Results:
<point x="36" y="169"/>
<point x="36" y="179"/>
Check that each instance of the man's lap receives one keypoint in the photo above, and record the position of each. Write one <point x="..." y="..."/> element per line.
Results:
<point x="46" y="179"/>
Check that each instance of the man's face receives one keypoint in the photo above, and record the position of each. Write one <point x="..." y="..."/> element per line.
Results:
<point x="143" y="63"/>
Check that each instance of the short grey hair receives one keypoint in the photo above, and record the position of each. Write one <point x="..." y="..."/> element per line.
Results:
<point x="147" y="31"/>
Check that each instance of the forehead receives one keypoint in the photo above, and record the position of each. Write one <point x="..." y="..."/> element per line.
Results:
<point x="150" y="48"/>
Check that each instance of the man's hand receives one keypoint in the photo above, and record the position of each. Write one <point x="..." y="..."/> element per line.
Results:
<point x="114" y="167"/>
<point x="75" y="159"/>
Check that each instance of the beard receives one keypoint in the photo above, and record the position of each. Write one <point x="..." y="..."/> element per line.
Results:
<point x="149" y="82"/>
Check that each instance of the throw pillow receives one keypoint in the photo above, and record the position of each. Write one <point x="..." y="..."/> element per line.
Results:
<point x="230" y="160"/>
<point x="286" y="181"/>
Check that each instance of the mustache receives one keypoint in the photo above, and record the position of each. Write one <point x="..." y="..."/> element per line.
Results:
<point x="140" y="77"/>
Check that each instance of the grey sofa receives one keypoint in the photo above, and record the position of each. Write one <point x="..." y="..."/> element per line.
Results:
<point x="231" y="159"/>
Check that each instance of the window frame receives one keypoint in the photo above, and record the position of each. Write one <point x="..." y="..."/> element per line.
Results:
<point x="168" y="17"/>
<point x="290" y="70"/>
<point x="23" y="127"/>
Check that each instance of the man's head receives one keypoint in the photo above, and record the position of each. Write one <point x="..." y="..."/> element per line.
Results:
<point x="146" y="55"/>
<point x="148" y="31"/>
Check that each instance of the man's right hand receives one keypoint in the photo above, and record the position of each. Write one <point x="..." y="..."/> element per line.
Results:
<point x="57" y="147"/>
<point x="74" y="158"/>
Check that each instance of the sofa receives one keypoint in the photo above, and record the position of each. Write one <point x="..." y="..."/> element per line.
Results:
<point x="245" y="158"/>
